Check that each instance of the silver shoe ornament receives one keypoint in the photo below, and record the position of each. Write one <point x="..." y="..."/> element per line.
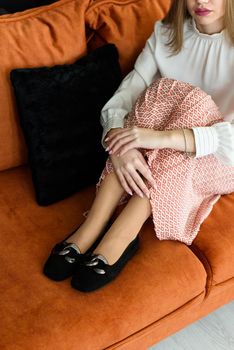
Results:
<point x="95" y="260"/>
<point x="67" y="250"/>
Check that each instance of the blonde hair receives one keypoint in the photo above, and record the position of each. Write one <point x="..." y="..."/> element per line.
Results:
<point x="177" y="15"/>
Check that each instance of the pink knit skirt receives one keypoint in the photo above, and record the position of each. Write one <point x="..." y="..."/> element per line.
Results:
<point x="187" y="187"/>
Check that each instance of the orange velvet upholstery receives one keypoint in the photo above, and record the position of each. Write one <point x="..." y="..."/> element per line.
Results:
<point x="27" y="234"/>
<point x="215" y="242"/>
<point x="126" y="23"/>
<point x="163" y="278"/>
<point x="45" y="36"/>
<point x="165" y="286"/>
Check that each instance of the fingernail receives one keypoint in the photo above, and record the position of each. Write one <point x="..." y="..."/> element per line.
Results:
<point x="110" y="152"/>
<point x="107" y="149"/>
<point x="107" y="139"/>
<point x="130" y="193"/>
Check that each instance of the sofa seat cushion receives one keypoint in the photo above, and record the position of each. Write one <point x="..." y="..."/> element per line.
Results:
<point x="37" y="312"/>
<point x="214" y="245"/>
<point x="104" y="21"/>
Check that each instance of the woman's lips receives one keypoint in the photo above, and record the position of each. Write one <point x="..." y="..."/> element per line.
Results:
<point x="202" y="12"/>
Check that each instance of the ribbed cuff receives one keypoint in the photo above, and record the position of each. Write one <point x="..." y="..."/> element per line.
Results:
<point x="206" y="140"/>
<point x="225" y="150"/>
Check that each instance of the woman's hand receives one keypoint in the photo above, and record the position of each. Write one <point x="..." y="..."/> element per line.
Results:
<point x="129" y="169"/>
<point x="121" y="141"/>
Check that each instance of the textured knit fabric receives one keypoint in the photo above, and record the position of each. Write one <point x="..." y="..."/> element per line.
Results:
<point x="187" y="187"/>
<point x="206" y="61"/>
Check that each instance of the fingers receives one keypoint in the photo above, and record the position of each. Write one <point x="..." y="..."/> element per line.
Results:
<point x="121" y="137"/>
<point x="127" y="147"/>
<point x="131" y="181"/>
<point x="119" y="140"/>
<point x="147" y="174"/>
<point x="115" y="133"/>
<point x="130" y="169"/>
<point x="144" y="169"/>
<point x="135" y="182"/>
<point x="123" y="182"/>
<point x="121" y="144"/>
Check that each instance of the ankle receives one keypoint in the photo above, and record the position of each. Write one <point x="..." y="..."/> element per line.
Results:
<point x="84" y="239"/>
<point x="113" y="245"/>
<point x="82" y="244"/>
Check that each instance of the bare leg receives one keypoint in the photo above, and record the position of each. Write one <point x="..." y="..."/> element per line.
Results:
<point x="124" y="229"/>
<point x="101" y="211"/>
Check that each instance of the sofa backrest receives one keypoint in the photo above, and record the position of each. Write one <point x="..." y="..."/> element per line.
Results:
<point x="55" y="34"/>
<point x="126" y="23"/>
<point x="44" y="36"/>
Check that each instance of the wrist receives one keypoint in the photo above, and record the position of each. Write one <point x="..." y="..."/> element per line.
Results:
<point x="164" y="139"/>
<point x="175" y="139"/>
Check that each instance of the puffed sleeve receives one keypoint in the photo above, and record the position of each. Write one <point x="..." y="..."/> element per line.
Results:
<point x="217" y="139"/>
<point x="142" y="75"/>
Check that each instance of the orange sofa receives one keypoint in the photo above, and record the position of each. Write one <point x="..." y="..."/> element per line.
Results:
<point x="167" y="285"/>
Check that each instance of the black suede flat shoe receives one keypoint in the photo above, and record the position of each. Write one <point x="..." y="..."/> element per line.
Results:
<point x="65" y="257"/>
<point x="62" y="261"/>
<point x="94" y="272"/>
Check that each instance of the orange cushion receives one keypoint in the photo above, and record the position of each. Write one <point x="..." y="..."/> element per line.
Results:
<point x="45" y="36"/>
<point x="37" y="313"/>
<point x="125" y="23"/>
<point x="214" y="245"/>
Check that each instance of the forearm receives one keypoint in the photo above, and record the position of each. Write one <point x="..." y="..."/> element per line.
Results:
<point x="175" y="139"/>
<point x="120" y="141"/>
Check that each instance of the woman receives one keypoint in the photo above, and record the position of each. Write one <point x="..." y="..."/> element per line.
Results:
<point x="166" y="128"/>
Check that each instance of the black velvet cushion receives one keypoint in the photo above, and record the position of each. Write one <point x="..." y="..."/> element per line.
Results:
<point x="12" y="6"/>
<point x="59" y="109"/>
<point x="3" y="11"/>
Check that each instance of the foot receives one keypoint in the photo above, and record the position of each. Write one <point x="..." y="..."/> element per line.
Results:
<point x="62" y="261"/>
<point x="67" y="254"/>
<point x="84" y="237"/>
<point x="112" y="246"/>
<point x="96" y="271"/>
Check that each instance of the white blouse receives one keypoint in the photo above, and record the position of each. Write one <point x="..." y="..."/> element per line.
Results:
<point x="206" y="61"/>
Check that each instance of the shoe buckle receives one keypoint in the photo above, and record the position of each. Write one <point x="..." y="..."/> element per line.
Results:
<point x="100" y="271"/>
<point x="70" y="260"/>
<point x="64" y="252"/>
<point x="94" y="261"/>
<point x="67" y="250"/>
<point x="67" y="258"/>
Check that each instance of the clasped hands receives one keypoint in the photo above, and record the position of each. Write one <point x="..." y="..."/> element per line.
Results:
<point x="129" y="163"/>
<point x="123" y="140"/>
